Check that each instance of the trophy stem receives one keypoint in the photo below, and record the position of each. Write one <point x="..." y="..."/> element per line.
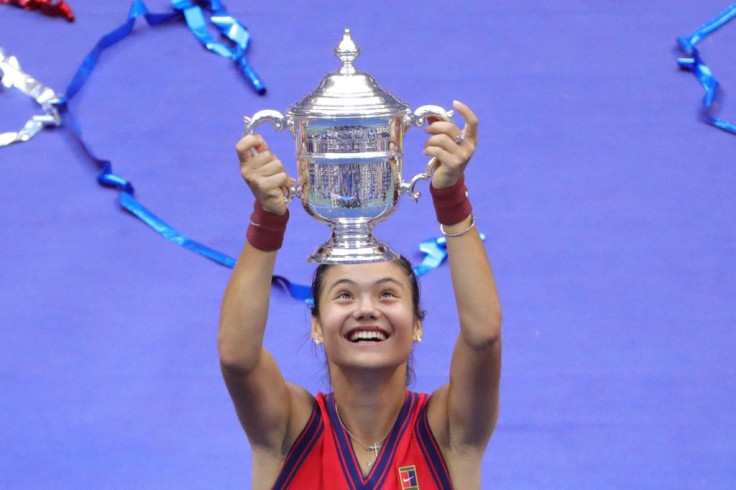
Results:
<point x="352" y="242"/>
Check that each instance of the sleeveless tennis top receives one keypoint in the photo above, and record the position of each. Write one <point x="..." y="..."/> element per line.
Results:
<point x="322" y="457"/>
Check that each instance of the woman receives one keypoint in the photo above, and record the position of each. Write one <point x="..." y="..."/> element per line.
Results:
<point x="370" y="432"/>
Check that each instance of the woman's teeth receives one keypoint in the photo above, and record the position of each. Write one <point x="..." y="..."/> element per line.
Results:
<point x="371" y="336"/>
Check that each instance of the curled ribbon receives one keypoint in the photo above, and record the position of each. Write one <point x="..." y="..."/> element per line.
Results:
<point x="194" y="17"/>
<point x="435" y="253"/>
<point x="228" y="28"/>
<point x="14" y="77"/>
<point x="693" y="62"/>
<point x="47" y="7"/>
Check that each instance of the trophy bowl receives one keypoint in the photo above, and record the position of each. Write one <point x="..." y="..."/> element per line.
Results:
<point x="349" y="146"/>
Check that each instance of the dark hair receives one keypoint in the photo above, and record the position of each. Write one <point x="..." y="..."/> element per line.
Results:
<point x="401" y="261"/>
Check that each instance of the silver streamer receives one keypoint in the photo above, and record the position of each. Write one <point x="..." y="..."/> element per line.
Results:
<point x="14" y="77"/>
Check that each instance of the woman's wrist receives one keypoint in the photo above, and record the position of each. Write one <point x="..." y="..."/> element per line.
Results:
<point x="451" y="204"/>
<point x="266" y="230"/>
<point x="458" y="229"/>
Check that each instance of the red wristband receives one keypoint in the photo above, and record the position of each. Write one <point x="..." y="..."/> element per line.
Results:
<point x="266" y="230"/>
<point x="451" y="204"/>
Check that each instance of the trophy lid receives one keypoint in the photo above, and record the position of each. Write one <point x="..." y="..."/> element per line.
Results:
<point x="348" y="92"/>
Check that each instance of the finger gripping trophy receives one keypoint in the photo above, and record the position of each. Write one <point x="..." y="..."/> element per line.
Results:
<point x="348" y="134"/>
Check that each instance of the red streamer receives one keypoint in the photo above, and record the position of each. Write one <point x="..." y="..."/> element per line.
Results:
<point x="47" y="7"/>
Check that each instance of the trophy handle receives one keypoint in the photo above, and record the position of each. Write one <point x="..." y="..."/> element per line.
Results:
<point x="280" y="122"/>
<point x="417" y="118"/>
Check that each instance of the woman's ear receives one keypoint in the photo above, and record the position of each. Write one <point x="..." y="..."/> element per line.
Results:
<point x="317" y="331"/>
<point x="418" y="331"/>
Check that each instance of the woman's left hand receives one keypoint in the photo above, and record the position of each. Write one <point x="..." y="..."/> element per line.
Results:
<point x="452" y="150"/>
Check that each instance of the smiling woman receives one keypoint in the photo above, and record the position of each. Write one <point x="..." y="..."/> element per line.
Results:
<point x="370" y="432"/>
<point x="366" y="310"/>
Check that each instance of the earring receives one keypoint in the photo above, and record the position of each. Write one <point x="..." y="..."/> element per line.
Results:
<point x="317" y="341"/>
<point x="418" y="338"/>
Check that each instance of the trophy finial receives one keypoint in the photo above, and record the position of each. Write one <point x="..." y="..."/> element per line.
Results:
<point x="346" y="52"/>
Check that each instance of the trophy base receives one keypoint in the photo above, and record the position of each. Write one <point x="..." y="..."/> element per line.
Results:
<point x="352" y="243"/>
<point x="328" y="253"/>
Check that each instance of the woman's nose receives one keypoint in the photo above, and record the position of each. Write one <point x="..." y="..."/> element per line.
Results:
<point x="366" y="308"/>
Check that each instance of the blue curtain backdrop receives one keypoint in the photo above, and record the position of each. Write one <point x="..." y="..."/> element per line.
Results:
<point x="609" y="209"/>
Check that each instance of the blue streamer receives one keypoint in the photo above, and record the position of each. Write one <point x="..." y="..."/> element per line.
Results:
<point x="107" y="176"/>
<point x="194" y="16"/>
<point x="85" y="70"/>
<point x="695" y="64"/>
<point x="435" y="250"/>
<point x="229" y="28"/>
<point x="435" y="253"/>
<point x="296" y="291"/>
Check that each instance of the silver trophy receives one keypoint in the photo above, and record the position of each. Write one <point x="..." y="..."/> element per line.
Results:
<point x="349" y="141"/>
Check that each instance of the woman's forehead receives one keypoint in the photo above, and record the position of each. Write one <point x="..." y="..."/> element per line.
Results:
<point x="365" y="273"/>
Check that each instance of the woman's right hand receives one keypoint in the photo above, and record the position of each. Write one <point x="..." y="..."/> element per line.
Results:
<point x="264" y="173"/>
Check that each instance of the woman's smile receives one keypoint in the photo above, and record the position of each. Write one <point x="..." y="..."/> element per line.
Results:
<point x="367" y="334"/>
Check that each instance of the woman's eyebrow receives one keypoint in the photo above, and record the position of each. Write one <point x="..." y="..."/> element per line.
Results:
<point x="339" y="282"/>
<point x="379" y="282"/>
<point x="391" y="280"/>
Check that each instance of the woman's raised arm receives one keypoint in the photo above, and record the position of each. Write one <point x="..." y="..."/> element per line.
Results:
<point x="465" y="411"/>
<point x="263" y="400"/>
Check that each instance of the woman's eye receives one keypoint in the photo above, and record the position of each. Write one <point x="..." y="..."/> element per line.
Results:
<point x="388" y="294"/>
<point x="344" y="295"/>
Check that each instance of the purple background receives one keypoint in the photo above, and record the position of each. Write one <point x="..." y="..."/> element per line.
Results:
<point x="609" y="208"/>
